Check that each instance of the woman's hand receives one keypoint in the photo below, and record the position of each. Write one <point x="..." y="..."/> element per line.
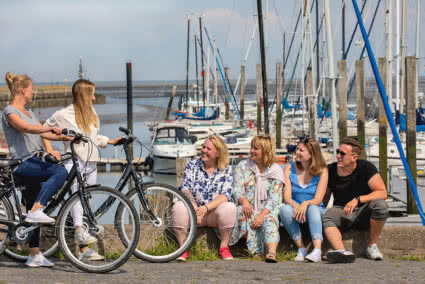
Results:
<point x="247" y="209"/>
<point x="258" y="221"/>
<point x="55" y="154"/>
<point x="114" y="141"/>
<point x="200" y="213"/>
<point x="299" y="212"/>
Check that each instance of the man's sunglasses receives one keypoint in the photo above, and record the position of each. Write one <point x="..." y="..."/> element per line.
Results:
<point x="342" y="153"/>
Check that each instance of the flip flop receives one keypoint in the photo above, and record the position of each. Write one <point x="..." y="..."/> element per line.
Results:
<point x="271" y="258"/>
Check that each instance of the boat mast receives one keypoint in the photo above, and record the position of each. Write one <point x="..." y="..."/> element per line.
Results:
<point x="397" y="81"/>
<point x="202" y="61"/>
<point x="389" y="50"/>
<point x="196" y="66"/>
<point x="343" y="31"/>
<point x="335" y="137"/>
<point x="215" y="75"/>
<point x="263" y="68"/>
<point x="318" y="44"/>
<point x="403" y="56"/>
<point x="207" y="76"/>
<point x="418" y="8"/>
<point x="80" y="70"/>
<point x="187" y="59"/>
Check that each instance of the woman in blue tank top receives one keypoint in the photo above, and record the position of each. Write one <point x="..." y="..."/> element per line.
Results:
<point x="305" y="185"/>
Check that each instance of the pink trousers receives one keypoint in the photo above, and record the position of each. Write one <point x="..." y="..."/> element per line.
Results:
<point x="222" y="217"/>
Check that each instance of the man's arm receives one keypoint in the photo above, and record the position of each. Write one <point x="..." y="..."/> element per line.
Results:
<point x="327" y="197"/>
<point x="376" y="184"/>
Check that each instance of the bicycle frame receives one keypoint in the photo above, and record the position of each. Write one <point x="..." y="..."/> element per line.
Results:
<point x="129" y="171"/>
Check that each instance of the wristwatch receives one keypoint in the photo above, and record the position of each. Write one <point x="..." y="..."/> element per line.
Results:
<point x="358" y="200"/>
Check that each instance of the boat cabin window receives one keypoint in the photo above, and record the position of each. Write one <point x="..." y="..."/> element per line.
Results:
<point x="172" y="136"/>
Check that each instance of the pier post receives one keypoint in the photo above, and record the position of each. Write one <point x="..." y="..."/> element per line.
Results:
<point x="243" y="89"/>
<point x="226" y="97"/>
<point x="342" y="97"/>
<point x="170" y="102"/>
<point x="259" y="97"/>
<point x="310" y="103"/>
<point x="278" y="105"/>
<point x="411" y="128"/>
<point x="383" y="122"/>
<point x="360" y="88"/>
<point x="129" y="104"/>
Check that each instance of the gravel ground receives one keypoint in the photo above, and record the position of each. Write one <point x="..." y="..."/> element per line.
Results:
<point x="236" y="271"/>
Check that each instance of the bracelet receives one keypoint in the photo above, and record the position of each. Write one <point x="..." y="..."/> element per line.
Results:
<point x="206" y="207"/>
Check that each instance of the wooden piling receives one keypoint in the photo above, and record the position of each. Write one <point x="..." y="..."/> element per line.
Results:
<point x="259" y="97"/>
<point x="243" y="89"/>
<point x="360" y="91"/>
<point x="170" y="102"/>
<point x="310" y="103"/>
<point x="180" y="165"/>
<point x="383" y="122"/>
<point x="411" y="128"/>
<point x="226" y="97"/>
<point x="278" y="105"/>
<point x="342" y="97"/>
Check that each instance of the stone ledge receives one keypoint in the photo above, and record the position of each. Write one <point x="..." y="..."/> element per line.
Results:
<point x="395" y="241"/>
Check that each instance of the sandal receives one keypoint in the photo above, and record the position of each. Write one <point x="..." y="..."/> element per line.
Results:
<point x="271" y="258"/>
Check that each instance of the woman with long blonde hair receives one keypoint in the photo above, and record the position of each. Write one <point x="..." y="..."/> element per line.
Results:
<point x="306" y="181"/>
<point x="42" y="179"/>
<point x="257" y="189"/>
<point x="81" y="117"/>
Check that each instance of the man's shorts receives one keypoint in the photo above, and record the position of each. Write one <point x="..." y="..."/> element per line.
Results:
<point x="359" y="219"/>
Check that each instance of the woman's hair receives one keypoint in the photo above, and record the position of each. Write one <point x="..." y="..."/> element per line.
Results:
<point x="318" y="163"/>
<point x="85" y="116"/>
<point x="223" y="154"/>
<point x="15" y="82"/>
<point x="264" y="143"/>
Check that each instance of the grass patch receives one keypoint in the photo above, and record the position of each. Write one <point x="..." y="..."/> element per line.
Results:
<point x="286" y="255"/>
<point x="200" y="252"/>
<point x="411" y="258"/>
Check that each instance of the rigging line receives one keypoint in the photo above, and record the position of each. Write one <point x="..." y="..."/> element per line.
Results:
<point x="235" y="105"/>
<point x="205" y="57"/>
<point x="361" y="55"/>
<point x="364" y="47"/>
<point x="354" y="32"/>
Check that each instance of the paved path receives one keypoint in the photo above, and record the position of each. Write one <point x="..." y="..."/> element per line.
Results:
<point x="236" y="271"/>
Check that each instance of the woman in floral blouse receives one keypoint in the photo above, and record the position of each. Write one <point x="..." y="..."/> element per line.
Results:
<point x="257" y="188"/>
<point x="208" y="184"/>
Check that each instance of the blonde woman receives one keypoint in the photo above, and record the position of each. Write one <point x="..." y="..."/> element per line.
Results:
<point x="23" y="130"/>
<point x="208" y="184"/>
<point x="306" y="181"/>
<point x="81" y="117"/>
<point x="257" y="189"/>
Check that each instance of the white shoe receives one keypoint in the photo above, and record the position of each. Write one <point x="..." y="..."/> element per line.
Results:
<point x="38" y="217"/>
<point x="90" y="254"/>
<point x="83" y="237"/>
<point x="374" y="253"/>
<point x="314" y="256"/>
<point x="38" y="260"/>
<point x="300" y="255"/>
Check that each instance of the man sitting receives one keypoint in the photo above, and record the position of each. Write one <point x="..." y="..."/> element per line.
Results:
<point x="359" y="201"/>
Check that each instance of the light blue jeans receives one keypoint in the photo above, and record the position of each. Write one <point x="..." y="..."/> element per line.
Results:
<point x="314" y="220"/>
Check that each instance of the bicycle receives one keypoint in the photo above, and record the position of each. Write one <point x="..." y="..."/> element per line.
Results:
<point x="98" y="203"/>
<point x="154" y="203"/>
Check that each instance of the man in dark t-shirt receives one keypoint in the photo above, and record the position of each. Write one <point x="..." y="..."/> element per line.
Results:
<point x="359" y="201"/>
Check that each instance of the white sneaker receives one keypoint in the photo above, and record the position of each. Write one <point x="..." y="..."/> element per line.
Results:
<point x="374" y="253"/>
<point x="314" y="256"/>
<point x="83" y="237"/>
<point x="300" y="255"/>
<point x="38" y="217"/>
<point x="38" y="260"/>
<point x="90" y="254"/>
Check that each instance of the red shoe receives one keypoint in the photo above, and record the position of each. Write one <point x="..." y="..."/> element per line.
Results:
<point x="183" y="257"/>
<point x="225" y="253"/>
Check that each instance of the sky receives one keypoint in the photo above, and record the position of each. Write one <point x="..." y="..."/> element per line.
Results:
<point x="46" y="38"/>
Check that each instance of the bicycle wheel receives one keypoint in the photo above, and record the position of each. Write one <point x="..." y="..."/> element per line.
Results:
<point x="6" y="214"/>
<point x="111" y="252"/>
<point x="48" y="244"/>
<point x="158" y="243"/>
